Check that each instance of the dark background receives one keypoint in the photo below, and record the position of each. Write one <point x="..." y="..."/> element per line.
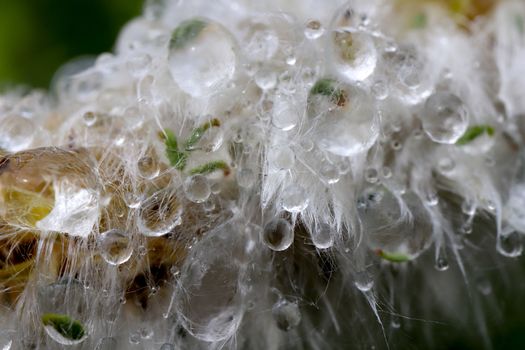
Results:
<point x="38" y="36"/>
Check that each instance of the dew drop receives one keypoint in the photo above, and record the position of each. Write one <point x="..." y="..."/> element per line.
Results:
<point x="148" y="167"/>
<point x="134" y="337"/>
<point x="322" y="236"/>
<point x="286" y="315"/>
<point x="89" y="118"/>
<point x="445" y="118"/>
<point x="278" y="235"/>
<point x="201" y="56"/>
<point x="167" y="346"/>
<point x="115" y="247"/>
<point x="329" y="174"/>
<point x="380" y="90"/>
<point x="282" y="158"/>
<point x="313" y="29"/>
<point x="363" y="281"/>
<point x="371" y="175"/>
<point x="266" y="79"/>
<point x="16" y="133"/>
<point x="509" y="245"/>
<point x="159" y="214"/>
<point x="446" y="165"/>
<point x="294" y="199"/>
<point x="484" y="286"/>
<point x="441" y="263"/>
<point x="197" y="188"/>
<point x="468" y="207"/>
<point x="285" y="116"/>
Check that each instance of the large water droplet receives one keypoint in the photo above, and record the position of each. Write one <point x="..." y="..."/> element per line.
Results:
<point x="148" y="167"/>
<point x="444" y="118"/>
<point x="197" y="188"/>
<point x="510" y="245"/>
<point x="245" y="178"/>
<point x="115" y="247"/>
<point x="363" y="281"/>
<point x="294" y="199"/>
<point x="159" y="214"/>
<point x="210" y="300"/>
<point x="322" y="236"/>
<point x="347" y="122"/>
<point x="278" y="235"/>
<point x="353" y="52"/>
<point x="285" y="115"/>
<point x="286" y="315"/>
<point x="313" y="29"/>
<point x="201" y="56"/>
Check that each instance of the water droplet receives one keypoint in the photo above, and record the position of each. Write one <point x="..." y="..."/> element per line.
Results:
<point x="468" y="207"/>
<point x="353" y="52"/>
<point x="285" y="115"/>
<point x="282" y="158"/>
<point x="107" y="343"/>
<point x="197" y="188"/>
<point x="371" y="175"/>
<point x="261" y="45"/>
<point x="201" y="56"/>
<point x="146" y="332"/>
<point x="291" y="60"/>
<point x="387" y="172"/>
<point x="380" y="90"/>
<point x="445" y="118"/>
<point x="395" y="322"/>
<point x="278" y="235"/>
<point x="148" y="167"/>
<point x="347" y="122"/>
<point x="16" y="133"/>
<point x="167" y="346"/>
<point x="142" y="250"/>
<point x="363" y="281"/>
<point x="266" y="79"/>
<point x="245" y="178"/>
<point x="329" y="174"/>
<point x="115" y="247"/>
<point x="65" y="302"/>
<point x="396" y="145"/>
<point x="89" y="118"/>
<point x="509" y="245"/>
<point x="313" y="29"/>
<point x="322" y="236"/>
<point x="294" y="199"/>
<point x="441" y="263"/>
<point x="134" y="337"/>
<point x="431" y="198"/>
<point x="286" y="315"/>
<point x="446" y="165"/>
<point x="159" y="214"/>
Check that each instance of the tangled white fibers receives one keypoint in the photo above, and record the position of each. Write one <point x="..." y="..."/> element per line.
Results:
<point x="277" y="174"/>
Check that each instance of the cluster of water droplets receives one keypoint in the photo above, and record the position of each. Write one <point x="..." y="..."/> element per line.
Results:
<point x="229" y="159"/>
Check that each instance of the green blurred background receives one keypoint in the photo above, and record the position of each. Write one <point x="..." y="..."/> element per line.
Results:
<point x="38" y="36"/>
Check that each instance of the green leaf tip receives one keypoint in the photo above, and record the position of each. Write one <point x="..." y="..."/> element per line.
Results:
<point x="474" y="132"/>
<point x="393" y="257"/>
<point x="185" y="32"/>
<point x="197" y="133"/>
<point x="176" y="158"/>
<point x="326" y="87"/>
<point x="211" y="167"/>
<point x="63" y="324"/>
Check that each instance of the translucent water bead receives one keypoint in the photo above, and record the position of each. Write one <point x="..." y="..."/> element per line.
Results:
<point x="16" y="133"/>
<point x="444" y="117"/>
<point x="392" y="232"/>
<point x="197" y="188"/>
<point x="345" y="116"/>
<point x="201" y="56"/>
<point x="210" y="300"/>
<point x="64" y="311"/>
<point x="353" y="52"/>
<point x="278" y="235"/>
<point x="159" y="214"/>
<point x="115" y="247"/>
